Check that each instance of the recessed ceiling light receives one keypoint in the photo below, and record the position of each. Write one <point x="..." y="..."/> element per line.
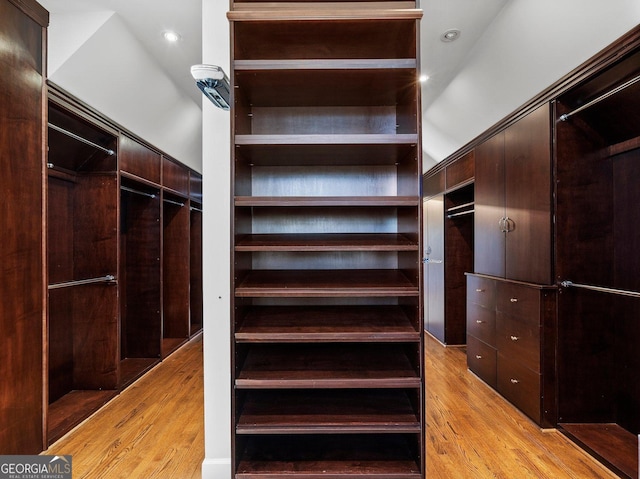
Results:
<point x="450" y="35"/>
<point x="423" y="78"/>
<point x="170" y="36"/>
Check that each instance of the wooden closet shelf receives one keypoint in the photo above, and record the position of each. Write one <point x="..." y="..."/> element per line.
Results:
<point x="326" y="283"/>
<point x="329" y="11"/>
<point x="327" y="64"/>
<point x="326" y="324"/>
<point x="294" y="201"/>
<point x="327" y="366"/>
<point x="609" y="442"/>
<point x="311" y="457"/>
<point x="326" y="242"/>
<point x="309" y="412"/>
<point x="327" y="139"/>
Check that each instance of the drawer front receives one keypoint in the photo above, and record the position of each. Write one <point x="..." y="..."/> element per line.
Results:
<point x="481" y="291"/>
<point x="481" y="323"/>
<point x="520" y="385"/>
<point x="481" y="359"/>
<point x="518" y="340"/>
<point x="518" y="300"/>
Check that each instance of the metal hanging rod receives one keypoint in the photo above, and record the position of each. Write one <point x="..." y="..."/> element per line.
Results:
<point x="102" y="279"/>
<point x="193" y="208"/>
<point x="463" y="213"/>
<point x="622" y="292"/>
<point x="618" y="89"/>
<point x="459" y="207"/>
<point x="137" y="192"/>
<point x="83" y="140"/>
<point x="177" y="203"/>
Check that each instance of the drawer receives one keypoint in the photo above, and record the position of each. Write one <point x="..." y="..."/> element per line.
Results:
<point x="518" y="340"/>
<point x="518" y="300"/>
<point x="520" y="385"/>
<point x="481" y="291"/>
<point x="481" y="359"/>
<point x="481" y="323"/>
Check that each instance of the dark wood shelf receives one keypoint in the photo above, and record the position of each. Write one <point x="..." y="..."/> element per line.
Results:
<point x="326" y="64"/>
<point x="326" y="324"/>
<point x="132" y="368"/>
<point x="326" y="283"/>
<point x="323" y="201"/>
<point x="386" y="456"/>
<point x="326" y="412"/>
<point x="610" y="443"/>
<point x="73" y="408"/>
<point x="328" y="139"/>
<point x="327" y="366"/>
<point x="326" y="242"/>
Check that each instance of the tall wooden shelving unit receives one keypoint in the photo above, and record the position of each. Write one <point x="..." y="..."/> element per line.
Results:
<point x="327" y="350"/>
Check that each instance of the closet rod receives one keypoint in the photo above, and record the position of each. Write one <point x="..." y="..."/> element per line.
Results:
<point x="177" y="203"/>
<point x="83" y="140"/>
<point x="137" y="192"/>
<point x="102" y="279"/>
<point x="618" y="89"/>
<point x="459" y="207"/>
<point x="571" y="284"/>
<point x="468" y="212"/>
<point x="193" y="208"/>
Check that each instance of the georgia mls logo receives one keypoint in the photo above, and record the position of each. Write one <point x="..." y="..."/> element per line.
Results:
<point x="35" y="467"/>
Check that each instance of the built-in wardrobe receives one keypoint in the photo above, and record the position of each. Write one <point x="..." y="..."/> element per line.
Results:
<point x="553" y="298"/>
<point x="123" y="259"/>
<point x="326" y="315"/>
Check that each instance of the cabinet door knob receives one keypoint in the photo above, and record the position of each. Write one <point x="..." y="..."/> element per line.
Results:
<point x="479" y="321"/>
<point x="514" y="300"/>
<point x="514" y="338"/>
<point x="479" y="290"/>
<point x="502" y="224"/>
<point x="478" y="356"/>
<point x="514" y="381"/>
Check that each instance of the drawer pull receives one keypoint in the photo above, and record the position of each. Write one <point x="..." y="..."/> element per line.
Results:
<point x="514" y="381"/>
<point x="514" y="338"/>
<point x="514" y="300"/>
<point x="478" y="356"/>
<point x="479" y="321"/>
<point x="479" y="290"/>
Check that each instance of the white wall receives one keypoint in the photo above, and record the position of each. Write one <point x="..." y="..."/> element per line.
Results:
<point x="217" y="254"/>
<point x="529" y="46"/>
<point x="110" y="70"/>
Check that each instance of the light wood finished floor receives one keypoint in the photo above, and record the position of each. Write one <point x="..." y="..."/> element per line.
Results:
<point x="154" y="429"/>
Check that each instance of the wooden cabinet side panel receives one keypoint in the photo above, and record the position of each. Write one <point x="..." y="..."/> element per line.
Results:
<point x="21" y="232"/>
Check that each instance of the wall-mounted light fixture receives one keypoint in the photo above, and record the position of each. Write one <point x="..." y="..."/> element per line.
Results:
<point x="214" y="83"/>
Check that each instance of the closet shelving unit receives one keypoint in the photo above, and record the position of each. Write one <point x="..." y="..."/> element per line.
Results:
<point x="195" y="253"/>
<point x="598" y="158"/>
<point x="82" y="206"/>
<point x="327" y="350"/>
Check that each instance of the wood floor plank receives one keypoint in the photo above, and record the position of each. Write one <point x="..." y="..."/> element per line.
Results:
<point x="154" y="429"/>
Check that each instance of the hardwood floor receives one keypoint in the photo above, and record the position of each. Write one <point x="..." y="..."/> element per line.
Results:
<point x="154" y="429"/>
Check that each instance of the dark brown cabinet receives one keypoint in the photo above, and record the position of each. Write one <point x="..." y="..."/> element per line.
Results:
<point x="327" y="318"/>
<point x="511" y="332"/>
<point x="513" y="193"/>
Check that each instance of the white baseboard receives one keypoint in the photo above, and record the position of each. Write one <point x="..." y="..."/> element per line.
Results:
<point x="218" y="468"/>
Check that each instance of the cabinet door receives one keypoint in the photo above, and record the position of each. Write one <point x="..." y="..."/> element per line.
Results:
<point x="489" y="238"/>
<point x="434" y="266"/>
<point x="527" y="149"/>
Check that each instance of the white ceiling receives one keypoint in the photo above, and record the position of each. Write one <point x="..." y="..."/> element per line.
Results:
<point x="148" y="19"/>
